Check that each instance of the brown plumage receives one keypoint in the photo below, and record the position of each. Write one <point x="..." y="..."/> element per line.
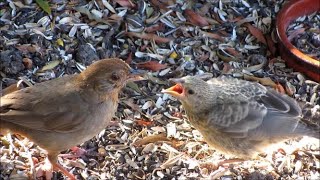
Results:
<point x="64" y="112"/>
<point x="239" y="117"/>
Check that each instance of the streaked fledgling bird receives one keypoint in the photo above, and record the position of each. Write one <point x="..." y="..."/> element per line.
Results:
<point x="64" y="112"/>
<point x="238" y="117"/>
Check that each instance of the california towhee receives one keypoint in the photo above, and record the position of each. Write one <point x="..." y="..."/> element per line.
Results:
<point x="64" y="112"/>
<point x="238" y="117"/>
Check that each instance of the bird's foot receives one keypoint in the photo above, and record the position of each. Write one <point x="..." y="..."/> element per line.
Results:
<point x="44" y="169"/>
<point x="57" y="166"/>
<point x="76" y="152"/>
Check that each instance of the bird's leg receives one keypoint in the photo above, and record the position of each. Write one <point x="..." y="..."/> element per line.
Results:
<point x="77" y="152"/>
<point x="57" y="166"/>
<point x="44" y="169"/>
<point x="53" y="158"/>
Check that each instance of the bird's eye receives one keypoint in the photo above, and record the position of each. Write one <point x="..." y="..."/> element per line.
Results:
<point x="190" y="91"/>
<point x="115" y="77"/>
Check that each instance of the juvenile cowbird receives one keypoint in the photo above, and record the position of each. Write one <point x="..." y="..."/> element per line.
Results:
<point x="64" y="112"/>
<point x="238" y="117"/>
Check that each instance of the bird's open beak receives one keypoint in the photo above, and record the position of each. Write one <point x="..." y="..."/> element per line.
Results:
<point x="175" y="91"/>
<point x="136" y="75"/>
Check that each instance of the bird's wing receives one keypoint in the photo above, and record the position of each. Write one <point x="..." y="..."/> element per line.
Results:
<point x="35" y="108"/>
<point x="246" y="109"/>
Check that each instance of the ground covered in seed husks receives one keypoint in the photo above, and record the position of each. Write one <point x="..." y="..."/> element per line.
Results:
<point x="168" y="39"/>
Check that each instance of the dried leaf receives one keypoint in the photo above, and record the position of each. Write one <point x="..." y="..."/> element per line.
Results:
<point x="233" y="51"/>
<point x="195" y="18"/>
<point x="141" y="122"/>
<point x="125" y="3"/>
<point x="295" y="33"/>
<point x="27" y="63"/>
<point x="203" y="57"/>
<point x="44" y="6"/>
<point x="226" y="68"/>
<point x="271" y="45"/>
<point x="290" y="89"/>
<point x="157" y="27"/>
<point x="131" y="163"/>
<point x="150" y="148"/>
<point x="78" y="151"/>
<point x="280" y="88"/>
<point x="50" y="65"/>
<point x="161" y="4"/>
<point x="152" y="65"/>
<point x="254" y="67"/>
<point x="236" y="19"/>
<point x="224" y="57"/>
<point x="115" y="17"/>
<point x="129" y="58"/>
<point x="151" y="139"/>
<point x="205" y="9"/>
<point x="256" y="33"/>
<point x="264" y="81"/>
<point x="167" y="147"/>
<point x="213" y="35"/>
<point x="29" y="48"/>
<point x="149" y="36"/>
<point x="108" y="6"/>
<point x="171" y="161"/>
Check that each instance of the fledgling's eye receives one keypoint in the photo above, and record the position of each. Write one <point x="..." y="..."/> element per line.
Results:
<point x="190" y="91"/>
<point x="115" y="76"/>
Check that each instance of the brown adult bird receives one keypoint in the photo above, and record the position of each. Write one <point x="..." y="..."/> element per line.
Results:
<point x="64" y="112"/>
<point x="238" y="117"/>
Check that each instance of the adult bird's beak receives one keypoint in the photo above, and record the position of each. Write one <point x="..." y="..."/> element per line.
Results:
<point x="175" y="91"/>
<point x="136" y="75"/>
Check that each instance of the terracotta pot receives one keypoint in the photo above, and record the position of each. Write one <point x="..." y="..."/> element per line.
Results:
<point x="294" y="57"/>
